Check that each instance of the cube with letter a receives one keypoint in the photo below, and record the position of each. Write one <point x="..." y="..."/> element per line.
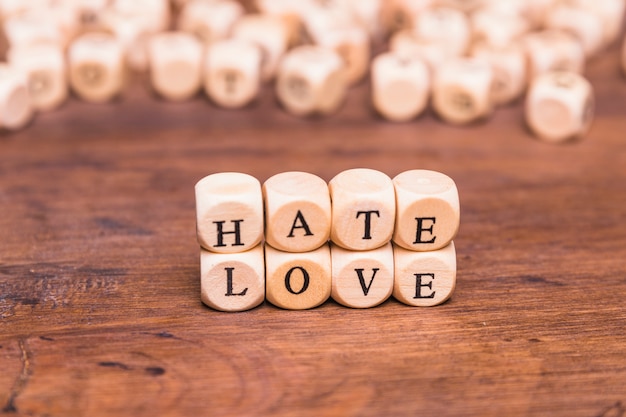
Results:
<point x="297" y="211"/>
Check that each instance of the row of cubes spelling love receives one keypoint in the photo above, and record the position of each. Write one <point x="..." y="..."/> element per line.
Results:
<point x="358" y="239"/>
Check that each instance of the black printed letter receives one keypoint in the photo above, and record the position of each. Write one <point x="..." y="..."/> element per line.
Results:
<point x="221" y="233"/>
<point x="368" y="222"/>
<point x="229" y="284"/>
<point x="305" y="284"/>
<point x="303" y="225"/>
<point x="419" y="285"/>
<point x="421" y="228"/>
<point x="365" y="289"/>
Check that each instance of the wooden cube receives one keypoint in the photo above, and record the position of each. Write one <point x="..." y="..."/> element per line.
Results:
<point x="553" y="50"/>
<point x="229" y="212"/>
<point x="465" y="6"/>
<point x="89" y="13"/>
<point x="270" y="33"/>
<point x="462" y="90"/>
<point x="361" y="279"/>
<point x="232" y="281"/>
<point x="427" y="210"/>
<point x="536" y="11"/>
<point x="353" y="45"/>
<point x="400" y="86"/>
<point x="509" y="67"/>
<point x="30" y="28"/>
<point x="405" y="43"/>
<point x="210" y="21"/>
<point x="517" y="8"/>
<point x="311" y="80"/>
<point x="67" y="19"/>
<point x="424" y="279"/>
<point x="9" y="8"/>
<point x="559" y="106"/>
<point x="175" y="65"/>
<point x="610" y="12"/>
<point x="15" y="105"/>
<point x="44" y="67"/>
<point x="368" y="13"/>
<point x="399" y="15"/>
<point x="154" y="15"/>
<point x="297" y="211"/>
<point x="497" y="29"/>
<point x="96" y="67"/>
<point x="291" y="12"/>
<point x="363" y="209"/>
<point x="447" y="26"/>
<point x="586" y="26"/>
<point x="232" y="72"/>
<point x="321" y="17"/>
<point x="133" y="32"/>
<point x="297" y="281"/>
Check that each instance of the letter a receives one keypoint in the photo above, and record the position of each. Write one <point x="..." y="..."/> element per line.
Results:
<point x="303" y="225"/>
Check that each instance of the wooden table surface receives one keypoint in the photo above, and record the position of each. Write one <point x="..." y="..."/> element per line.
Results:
<point x="99" y="268"/>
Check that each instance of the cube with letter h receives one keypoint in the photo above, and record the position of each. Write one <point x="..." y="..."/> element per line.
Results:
<point x="229" y="210"/>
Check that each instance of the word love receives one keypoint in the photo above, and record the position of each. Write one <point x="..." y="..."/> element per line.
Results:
<point x="297" y="240"/>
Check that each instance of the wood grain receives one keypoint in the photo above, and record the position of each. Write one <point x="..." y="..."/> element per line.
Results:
<point x="99" y="267"/>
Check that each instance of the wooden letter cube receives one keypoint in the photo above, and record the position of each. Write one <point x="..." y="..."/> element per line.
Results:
<point x="232" y="73"/>
<point x="400" y="86"/>
<point x="96" y="67"/>
<point x="462" y="90"/>
<point x="363" y="209"/>
<point x="31" y="28"/>
<point x="559" y="106"/>
<point x="509" y="66"/>
<point x="229" y="210"/>
<point x="15" y="105"/>
<point x="311" y="80"/>
<point x="405" y="43"/>
<point x="497" y="29"/>
<point x="353" y="45"/>
<point x="424" y="279"/>
<point x="270" y="33"/>
<point x="297" y="281"/>
<point x="586" y="26"/>
<point x="44" y="66"/>
<point x="610" y="12"/>
<point x="361" y="279"/>
<point x="154" y="15"/>
<point x="175" y="65"/>
<point x="133" y="32"/>
<point x="398" y="15"/>
<point x="449" y="27"/>
<point x="553" y="50"/>
<point x="297" y="211"/>
<point x="210" y="21"/>
<point x="428" y="210"/>
<point x="232" y="281"/>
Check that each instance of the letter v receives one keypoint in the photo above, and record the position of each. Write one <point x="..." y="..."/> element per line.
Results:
<point x="359" y="272"/>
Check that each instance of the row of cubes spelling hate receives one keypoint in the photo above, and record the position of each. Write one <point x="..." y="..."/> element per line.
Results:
<point x="360" y="209"/>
